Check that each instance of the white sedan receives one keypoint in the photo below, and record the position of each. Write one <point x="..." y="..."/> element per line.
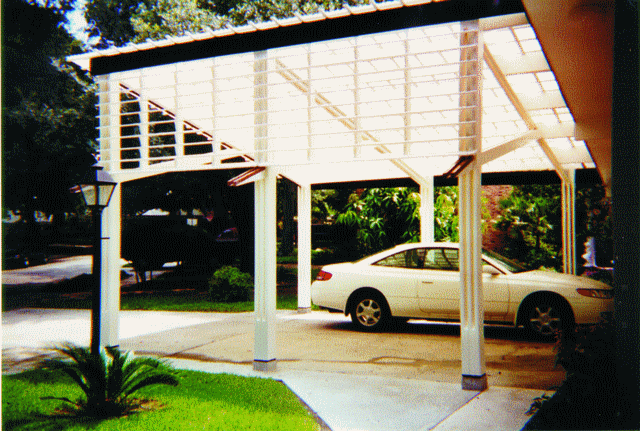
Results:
<point x="422" y="281"/>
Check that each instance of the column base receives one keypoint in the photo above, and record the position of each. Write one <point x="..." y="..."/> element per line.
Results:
<point x="474" y="383"/>
<point x="304" y="310"/>
<point x="266" y="366"/>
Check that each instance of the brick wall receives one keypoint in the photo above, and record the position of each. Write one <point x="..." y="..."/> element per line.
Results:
<point x="493" y="239"/>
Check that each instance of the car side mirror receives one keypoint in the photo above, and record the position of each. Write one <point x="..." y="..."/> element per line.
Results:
<point x="488" y="269"/>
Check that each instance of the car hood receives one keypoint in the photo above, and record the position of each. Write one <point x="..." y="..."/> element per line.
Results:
<point x="556" y="278"/>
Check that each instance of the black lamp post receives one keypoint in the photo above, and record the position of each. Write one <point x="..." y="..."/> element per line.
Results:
<point x="97" y="188"/>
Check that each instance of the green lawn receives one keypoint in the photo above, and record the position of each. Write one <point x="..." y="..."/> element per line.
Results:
<point x="165" y="293"/>
<point x="151" y="302"/>
<point x="200" y="402"/>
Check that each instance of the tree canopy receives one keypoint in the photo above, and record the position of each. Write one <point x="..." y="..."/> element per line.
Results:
<point x="118" y="22"/>
<point x="48" y="112"/>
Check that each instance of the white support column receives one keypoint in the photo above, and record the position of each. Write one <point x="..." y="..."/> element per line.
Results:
<point x="304" y="248"/>
<point x="311" y="105"/>
<point x="265" y="273"/>
<point x="357" y="142"/>
<point x="109" y="127"/>
<point x="144" y="130"/>
<point x="568" y="224"/>
<point x="471" y="296"/>
<point x="215" y="144"/>
<point x="407" y="100"/>
<point x="427" y="210"/>
<point x="109" y="134"/>
<point x="110" y="270"/>
<point x="178" y="121"/>
<point x="265" y="233"/>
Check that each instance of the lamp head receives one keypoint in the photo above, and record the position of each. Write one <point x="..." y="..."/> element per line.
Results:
<point x="97" y="187"/>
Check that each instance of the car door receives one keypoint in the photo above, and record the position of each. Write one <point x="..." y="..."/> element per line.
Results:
<point x="439" y="288"/>
<point x="396" y="276"/>
<point x="495" y="289"/>
<point x="439" y="284"/>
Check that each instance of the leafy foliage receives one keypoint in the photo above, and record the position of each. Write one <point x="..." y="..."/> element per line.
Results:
<point x="108" y="379"/>
<point x="445" y="215"/>
<point x="48" y="112"/>
<point x="382" y="218"/>
<point x="118" y="22"/>
<point x="378" y="219"/>
<point x="531" y="216"/>
<point x="171" y="17"/>
<point x="229" y="284"/>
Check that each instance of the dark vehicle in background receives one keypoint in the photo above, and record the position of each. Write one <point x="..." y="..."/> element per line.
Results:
<point x="227" y="246"/>
<point x="14" y="258"/>
<point x="150" y="242"/>
<point x="23" y="244"/>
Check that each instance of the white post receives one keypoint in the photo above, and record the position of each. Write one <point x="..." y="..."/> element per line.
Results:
<point x="474" y="375"/>
<point x="304" y="248"/>
<point x="109" y="134"/>
<point x="265" y="232"/>
<point x="357" y="150"/>
<point x="407" y="101"/>
<point x="178" y="121"/>
<point x="426" y="210"/>
<point x="110" y="271"/>
<point x="568" y="224"/>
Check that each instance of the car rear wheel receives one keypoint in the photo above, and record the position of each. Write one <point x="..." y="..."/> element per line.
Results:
<point x="546" y="316"/>
<point x="370" y="312"/>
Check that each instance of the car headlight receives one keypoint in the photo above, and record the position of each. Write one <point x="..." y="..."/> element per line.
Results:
<point x="596" y="293"/>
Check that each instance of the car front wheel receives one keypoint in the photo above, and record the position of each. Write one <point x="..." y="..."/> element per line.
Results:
<point x="545" y="318"/>
<point x="369" y="312"/>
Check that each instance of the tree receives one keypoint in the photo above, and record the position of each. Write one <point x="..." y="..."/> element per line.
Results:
<point x="110" y="20"/>
<point x="445" y="214"/>
<point x="118" y="22"/>
<point x="378" y="219"/>
<point x="171" y="18"/>
<point x="48" y="112"/>
<point x="532" y="217"/>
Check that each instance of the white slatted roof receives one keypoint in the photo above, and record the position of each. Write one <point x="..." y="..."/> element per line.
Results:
<point x="375" y="106"/>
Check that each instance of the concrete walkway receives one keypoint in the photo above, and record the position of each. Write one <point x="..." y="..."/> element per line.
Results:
<point x="347" y="395"/>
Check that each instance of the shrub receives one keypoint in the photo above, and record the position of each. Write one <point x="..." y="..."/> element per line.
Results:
<point x="322" y="256"/>
<point x="108" y="379"/>
<point x="588" y="357"/>
<point x="229" y="284"/>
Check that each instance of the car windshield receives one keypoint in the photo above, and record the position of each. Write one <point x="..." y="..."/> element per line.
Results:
<point x="509" y="264"/>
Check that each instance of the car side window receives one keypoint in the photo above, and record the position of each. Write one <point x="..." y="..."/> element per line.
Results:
<point x="405" y="259"/>
<point x="441" y="259"/>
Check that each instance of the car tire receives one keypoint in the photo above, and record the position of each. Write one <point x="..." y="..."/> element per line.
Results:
<point x="545" y="316"/>
<point x="370" y="312"/>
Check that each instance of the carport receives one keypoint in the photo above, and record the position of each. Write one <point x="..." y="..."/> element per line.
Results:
<point x="402" y="89"/>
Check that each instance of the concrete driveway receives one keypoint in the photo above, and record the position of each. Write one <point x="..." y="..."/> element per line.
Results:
<point x="321" y="341"/>
<point x="316" y="341"/>
<point x="404" y="380"/>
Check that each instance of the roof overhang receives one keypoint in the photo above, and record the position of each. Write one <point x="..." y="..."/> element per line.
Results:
<point x="577" y="39"/>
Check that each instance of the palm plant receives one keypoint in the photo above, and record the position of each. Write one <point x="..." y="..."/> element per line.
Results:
<point x="108" y="379"/>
